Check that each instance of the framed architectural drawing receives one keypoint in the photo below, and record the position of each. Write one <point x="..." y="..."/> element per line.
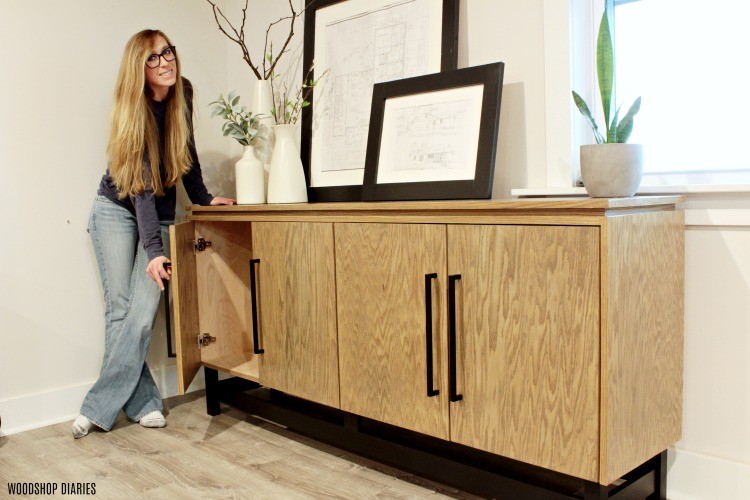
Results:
<point x="361" y="43"/>
<point x="434" y="137"/>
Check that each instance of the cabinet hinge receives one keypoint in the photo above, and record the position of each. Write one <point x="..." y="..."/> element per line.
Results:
<point x="205" y="339"/>
<point x="201" y="244"/>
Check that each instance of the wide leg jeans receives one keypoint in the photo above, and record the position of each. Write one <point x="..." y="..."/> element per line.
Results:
<point x="131" y="300"/>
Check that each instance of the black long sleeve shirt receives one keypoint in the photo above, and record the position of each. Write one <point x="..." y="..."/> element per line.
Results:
<point x="149" y="209"/>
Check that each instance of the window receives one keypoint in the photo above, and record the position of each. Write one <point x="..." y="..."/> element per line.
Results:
<point x="688" y="61"/>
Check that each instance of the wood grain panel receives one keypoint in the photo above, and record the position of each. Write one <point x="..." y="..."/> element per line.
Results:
<point x="528" y="344"/>
<point x="184" y="289"/>
<point x="569" y="218"/>
<point x="380" y="270"/>
<point x="567" y="211"/>
<point x="224" y="288"/>
<point x="243" y="365"/>
<point x="642" y="331"/>
<point x="297" y="309"/>
<point x="562" y="203"/>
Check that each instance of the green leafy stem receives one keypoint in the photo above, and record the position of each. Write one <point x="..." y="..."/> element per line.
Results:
<point x="239" y="123"/>
<point x="286" y="107"/>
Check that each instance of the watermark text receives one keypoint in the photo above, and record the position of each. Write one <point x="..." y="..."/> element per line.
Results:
<point x="50" y="488"/>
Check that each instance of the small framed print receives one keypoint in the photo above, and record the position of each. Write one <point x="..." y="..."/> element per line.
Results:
<point x="434" y="137"/>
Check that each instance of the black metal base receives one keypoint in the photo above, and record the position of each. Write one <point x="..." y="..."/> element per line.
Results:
<point x="461" y="467"/>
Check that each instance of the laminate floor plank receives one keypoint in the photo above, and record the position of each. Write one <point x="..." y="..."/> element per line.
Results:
<point x="232" y="456"/>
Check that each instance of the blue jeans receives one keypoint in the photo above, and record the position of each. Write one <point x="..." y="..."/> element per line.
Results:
<point x="131" y="300"/>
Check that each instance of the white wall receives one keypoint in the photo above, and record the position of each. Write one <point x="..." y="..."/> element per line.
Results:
<point x="60" y="60"/>
<point x="511" y="32"/>
<point x="59" y="64"/>
<point x="712" y="460"/>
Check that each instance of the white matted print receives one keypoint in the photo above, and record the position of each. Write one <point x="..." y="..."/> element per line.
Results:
<point x="360" y="43"/>
<point x="433" y="136"/>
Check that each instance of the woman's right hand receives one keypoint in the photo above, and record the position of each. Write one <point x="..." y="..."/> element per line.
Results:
<point x="218" y="200"/>
<point x="156" y="271"/>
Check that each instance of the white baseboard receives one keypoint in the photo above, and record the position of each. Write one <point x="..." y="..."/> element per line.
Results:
<point x="39" y="410"/>
<point x="60" y="405"/>
<point x="695" y="476"/>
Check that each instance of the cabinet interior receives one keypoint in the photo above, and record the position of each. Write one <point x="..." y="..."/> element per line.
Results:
<point x="215" y="283"/>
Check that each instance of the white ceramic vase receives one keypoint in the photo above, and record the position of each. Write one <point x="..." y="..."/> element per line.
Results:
<point x="261" y="103"/>
<point x="250" y="178"/>
<point x="286" y="179"/>
<point x="611" y="170"/>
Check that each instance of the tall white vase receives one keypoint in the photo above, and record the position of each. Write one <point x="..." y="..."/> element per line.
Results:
<point x="250" y="178"/>
<point x="286" y="179"/>
<point x="261" y="103"/>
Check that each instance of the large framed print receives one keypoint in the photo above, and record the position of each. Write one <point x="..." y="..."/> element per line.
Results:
<point x="361" y="43"/>
<point x="434" y="137"/>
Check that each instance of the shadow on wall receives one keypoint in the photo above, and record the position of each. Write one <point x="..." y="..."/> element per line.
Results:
<point x="510" y="161"/>
<point x="218" y="175"/>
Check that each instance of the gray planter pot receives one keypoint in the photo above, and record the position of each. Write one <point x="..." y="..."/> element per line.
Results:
<point x="611" y="170"/>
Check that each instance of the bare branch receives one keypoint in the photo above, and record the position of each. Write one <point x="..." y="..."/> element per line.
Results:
<point x="244" y="17"/>
<point x="273" y="61"/>
<point x="239" y="37"/>
<point x="268" y="59"/>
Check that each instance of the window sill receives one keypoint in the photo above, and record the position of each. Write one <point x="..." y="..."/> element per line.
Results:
<point x="677" y="189"/>
<point x="710" y="205"/>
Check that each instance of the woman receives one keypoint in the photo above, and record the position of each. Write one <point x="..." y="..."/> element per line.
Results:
<point x="151" y="147"/>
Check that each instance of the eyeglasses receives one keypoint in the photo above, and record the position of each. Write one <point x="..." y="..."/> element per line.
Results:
<point x="168" y="54"/>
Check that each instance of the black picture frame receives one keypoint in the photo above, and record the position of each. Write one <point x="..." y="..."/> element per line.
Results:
<point x="490" y="77"/>
<point x="448" y="61"/>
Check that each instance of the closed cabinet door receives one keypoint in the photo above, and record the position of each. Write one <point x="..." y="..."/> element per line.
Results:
<point x="293" y="272"/>
<point x="527" y="343"/>
<point x="392" y="333"/>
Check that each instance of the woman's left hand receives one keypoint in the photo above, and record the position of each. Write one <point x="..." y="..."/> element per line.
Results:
<point x="218" y="200"/>
<point x="158" y="272"/>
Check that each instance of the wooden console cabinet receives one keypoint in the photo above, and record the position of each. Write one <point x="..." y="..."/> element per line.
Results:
<point x="546" y="331"/>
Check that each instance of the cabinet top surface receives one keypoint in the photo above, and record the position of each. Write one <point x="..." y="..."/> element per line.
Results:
<point x="594" y="205"/>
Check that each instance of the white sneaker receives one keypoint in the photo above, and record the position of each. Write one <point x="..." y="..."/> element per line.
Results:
<point x="153" y="419"/>
<point x="81" y="426"/>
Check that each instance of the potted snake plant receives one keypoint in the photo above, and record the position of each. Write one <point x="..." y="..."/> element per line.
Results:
<point x="611" y="167"/>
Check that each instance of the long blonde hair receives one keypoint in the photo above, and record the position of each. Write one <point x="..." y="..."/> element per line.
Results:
<point x="134" y="135"/>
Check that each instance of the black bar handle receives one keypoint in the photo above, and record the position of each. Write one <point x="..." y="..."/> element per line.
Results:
<point x="453" y="396"/>
<point x="168" y="314"/>
<point x="254" y="307"/>
<point x="431" y="391"/>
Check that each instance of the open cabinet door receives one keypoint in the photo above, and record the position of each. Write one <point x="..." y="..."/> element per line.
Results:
<point x="184" y="288"/>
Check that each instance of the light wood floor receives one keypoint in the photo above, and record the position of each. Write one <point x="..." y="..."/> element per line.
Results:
<point x="197" y="456"/>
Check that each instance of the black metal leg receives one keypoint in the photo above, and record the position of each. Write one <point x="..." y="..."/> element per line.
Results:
<point x="595" y="491"/>
<point x="351" y="422"/>
<point x="660" y="467"/>
<point x="213" y="407"/>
